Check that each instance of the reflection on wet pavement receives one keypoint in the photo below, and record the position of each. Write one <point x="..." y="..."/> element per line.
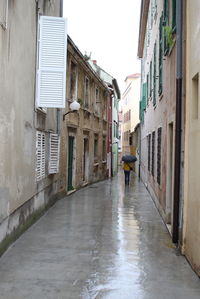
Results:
<point x="104" y="241"/>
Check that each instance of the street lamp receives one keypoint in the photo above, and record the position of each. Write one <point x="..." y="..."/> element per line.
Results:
<point x="74" y="106"/>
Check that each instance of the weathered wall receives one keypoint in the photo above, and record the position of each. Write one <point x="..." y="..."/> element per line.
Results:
<point x="162" y="114"/>
<point x="87" y="123"/>
<point x="19" y="118"/>
<point x="192" y="140"/>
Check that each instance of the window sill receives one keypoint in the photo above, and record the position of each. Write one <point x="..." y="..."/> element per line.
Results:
<point x="96" y="164"/>
<point x="104" y="162"/>
<point x="160" y="97"/>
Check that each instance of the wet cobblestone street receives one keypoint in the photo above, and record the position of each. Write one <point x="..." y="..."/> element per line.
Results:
<point x="104" y="241"/>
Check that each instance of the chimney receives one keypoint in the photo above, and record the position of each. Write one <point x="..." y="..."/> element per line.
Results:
<point x="94" y="61"/>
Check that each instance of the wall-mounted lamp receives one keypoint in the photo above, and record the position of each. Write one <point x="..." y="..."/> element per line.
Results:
<point x="74" y="106"/>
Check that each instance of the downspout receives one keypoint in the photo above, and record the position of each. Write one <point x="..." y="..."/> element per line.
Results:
<point x="58" y="116"/>
<point x="178" y="129"/>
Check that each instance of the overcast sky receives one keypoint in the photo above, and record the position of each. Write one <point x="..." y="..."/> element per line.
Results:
<point x="109" y="30"/>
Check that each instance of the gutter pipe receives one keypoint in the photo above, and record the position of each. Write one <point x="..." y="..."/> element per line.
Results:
<point x="178" y="129"/>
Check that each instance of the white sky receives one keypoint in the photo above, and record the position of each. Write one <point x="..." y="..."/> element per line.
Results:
<point x="109" y="30"/>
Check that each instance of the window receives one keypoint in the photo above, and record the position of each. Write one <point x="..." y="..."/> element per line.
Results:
<point x="97" y="100"/>
<point x="104" y="149"/>
<point x="73" y="81"/>
<point x="150" y="92"/>
<point x="153" y="153"/>
<point x="149" y="151"/>
<point x="195" y="96"/>
<point x="54" y="151"/>
<point x="154" y="77"/>
<point x="51" y="75"/>
<point x="40" y="155"/>
<point x="166" y="23"/>
<point x="159" y="137"/>
<point x="173" y="15"/>
<point x="147" y="89"/>
<point x="96" y="147"/>
<point x="161" y="56"/>
<point x="86" y="92"/>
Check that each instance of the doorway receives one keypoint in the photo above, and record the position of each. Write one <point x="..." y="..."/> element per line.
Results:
<point x="85" y="159"/>
<point x="170" y="163"/>
<point x="70" y="162"/>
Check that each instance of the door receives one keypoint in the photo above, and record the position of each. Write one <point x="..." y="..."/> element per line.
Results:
<point x="70" y="162"/>
<point x="85" y="159"/>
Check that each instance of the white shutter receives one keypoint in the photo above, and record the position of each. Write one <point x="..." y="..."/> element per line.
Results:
<point x="51" y="74"/>
<point x="40" y="155"/>
<point x="54" y="151"/>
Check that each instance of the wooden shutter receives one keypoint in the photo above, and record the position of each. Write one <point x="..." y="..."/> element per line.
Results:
<point x="52" y="62"/>
<point x="54" y="151"/>
<point x="154" y="76"/>
<point x="40" y="155"/>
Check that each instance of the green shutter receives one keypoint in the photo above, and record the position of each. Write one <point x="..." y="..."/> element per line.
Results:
<point x="161" y="56"/>
<point x="166" y="23"/>
<point x="154" y="76"/>
<point x="147" y="89"/>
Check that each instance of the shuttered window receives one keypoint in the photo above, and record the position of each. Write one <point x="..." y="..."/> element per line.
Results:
<point x="51" y="75"/>
<point x="153" y="153"/>
<point x="40" y="155"/>
<point x="54" y="151"/>
<point x="161" y="56"/>
<point x="150" y="78"/>
<point x="154" y="77"/>
<point x="149" y="152"/>
<point x="174" y="15"/>
<point x="159" y="140"/>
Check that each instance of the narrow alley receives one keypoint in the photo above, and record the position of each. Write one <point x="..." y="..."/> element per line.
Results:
<point x="104" y="241"/>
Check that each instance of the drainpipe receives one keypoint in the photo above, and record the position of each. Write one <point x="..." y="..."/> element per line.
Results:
<point x="58" y="112"/>
<point x="179" y="76"/>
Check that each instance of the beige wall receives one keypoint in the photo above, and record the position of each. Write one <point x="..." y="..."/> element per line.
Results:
<point x="20" y="194"/>
<point x="192" y="141"/>
<point x="130" y="101"/>
<point x="84" y="124"/>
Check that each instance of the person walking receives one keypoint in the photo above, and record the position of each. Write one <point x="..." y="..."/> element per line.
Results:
<point x="127" y="168"/>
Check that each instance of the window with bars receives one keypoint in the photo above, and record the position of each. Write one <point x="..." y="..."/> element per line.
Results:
<point x="161" y="56"/>
<point x="40" y="155"/>
<point x="159" y="140"/>
<point x="54" y="151"/>
<point x="149" y="151"/>
<point x="153" y="153"/>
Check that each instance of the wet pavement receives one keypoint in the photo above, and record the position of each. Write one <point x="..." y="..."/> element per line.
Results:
<point x="104" y="241"/>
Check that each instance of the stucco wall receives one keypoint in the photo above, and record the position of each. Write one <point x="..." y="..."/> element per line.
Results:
<point x="19" y="117"/>
<point x="192" y="141"/>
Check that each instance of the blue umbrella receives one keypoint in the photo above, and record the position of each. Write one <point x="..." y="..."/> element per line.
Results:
<point x="129" y="158"/>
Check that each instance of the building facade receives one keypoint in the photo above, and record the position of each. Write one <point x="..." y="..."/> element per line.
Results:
<point x="29" y="151"/>
<point x="157" y="50"/>
<point x="191" y="236"/>
<point x="130" y="111"/>
<point x="84" y="133"/>
<point x="113" y="119"/>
